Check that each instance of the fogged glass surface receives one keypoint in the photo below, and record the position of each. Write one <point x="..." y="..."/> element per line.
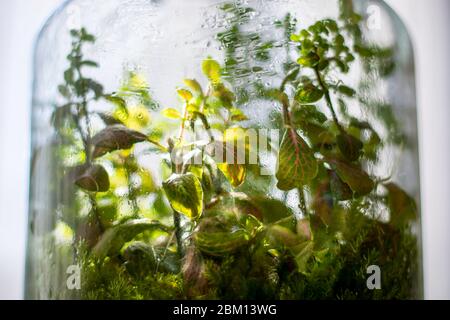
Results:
<point x="224" y="150"/>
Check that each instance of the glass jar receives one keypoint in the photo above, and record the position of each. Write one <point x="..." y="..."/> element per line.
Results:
<point x="224" y="150"/>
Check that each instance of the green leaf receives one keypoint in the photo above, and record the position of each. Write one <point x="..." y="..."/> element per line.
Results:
<point x="372" y="147"/>
<point x="83" y="86"/>
<point x="349" y="146"/>
<point x="233" y="169"/>
<point x="171" y="113"/>
<point x="342" y="66"/>
<point x="89" y="63"/>
<point x="194" y="86"/>
<point x="143" y="259"/>
<point x="235" y="173"/>
<point x="304" y="229"/>
<point x="89" y="231"/>
<point x="357" y="179"/>
<point x="116" y="237"/>
<point x="185" y="194"/>
<point x="347" y="91"/>
<point x="237" y="115"/>
<point x="212" y="70"/>
<point x="69" y="76"/>
<point x="109" y="120"/>
<point x="114" y="138"/>
<point x="297" y="165"/>
<point x="186" y="95"/>
<point x="318" y="135"/>
<point x="403" y="207"/>
<point x="61" y="114"/>
<point x="219" y="244"/>
<point x="107" y="211"/>
<point x="363" y="125"/>
<point x="213" y="180"/>
<point x="225" y="233"/>
<point x="267" y="210"/>
<point x="225" y="96"/>
<point x="140" y="259"/>
<point x="311" y="59"/>
<point x="90" y="177"/>
<point x="339" y="189"/>
<point x="64" y="91"/>
<point x="96" y="88"/>
<point x="292" y="75"/>
<point x="295" y="38"/>
<point x="85" y="36"/>
<point x="169" y="261"/>
<point x="74" y="33"/>
<point x="307" y="113"/>
<point x="283" y="236"/>
<point x="303" y="253"/>
<point x="119" y="102"/>
<point x="331" y="25"/>
<point x="136" y="86"/>
<point x="308" y="93"/>
<point x="319" y="27"/>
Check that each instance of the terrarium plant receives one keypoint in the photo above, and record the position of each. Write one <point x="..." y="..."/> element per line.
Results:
<point x="204" y="222"/>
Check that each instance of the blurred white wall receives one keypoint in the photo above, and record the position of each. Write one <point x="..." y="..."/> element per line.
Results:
<point x="429" y="24"/>
<point x="20" y="20"/>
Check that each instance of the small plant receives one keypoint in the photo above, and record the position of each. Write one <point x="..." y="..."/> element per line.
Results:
<point x="202" y="226"/>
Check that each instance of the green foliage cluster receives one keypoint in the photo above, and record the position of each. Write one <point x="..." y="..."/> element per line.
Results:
<point x="201" y="233"/>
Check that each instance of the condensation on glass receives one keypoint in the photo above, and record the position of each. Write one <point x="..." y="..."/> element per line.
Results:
<point x="162" y="42"/>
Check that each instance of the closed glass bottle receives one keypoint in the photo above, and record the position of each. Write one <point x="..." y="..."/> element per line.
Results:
<point x="224" y="150"/>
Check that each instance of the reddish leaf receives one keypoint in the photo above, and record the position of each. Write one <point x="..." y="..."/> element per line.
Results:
<point x="117" y="137"/>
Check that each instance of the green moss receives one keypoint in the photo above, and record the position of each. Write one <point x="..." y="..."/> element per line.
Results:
<point x="109" y="280"/>
<point x="253" y="273"/>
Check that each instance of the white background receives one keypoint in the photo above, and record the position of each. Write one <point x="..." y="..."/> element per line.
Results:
<point x="429" y="25"/>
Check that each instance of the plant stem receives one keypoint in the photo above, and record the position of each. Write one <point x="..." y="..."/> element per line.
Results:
<point x="178" y="233"/>
<point x="177" y="218"/>
<point x="157" y="144"/>
<point x="131" y="190"/>
<point x="328" y="99"/>
<point x="77" y="122"/>
<point x="287" y="114"/>
<point x="183" y="122"/>
<point x="206" y="125"/>
<point x="288" y="78"/>
<point x="203" y="104"/>
<point x="95" y="211"/>
<point x="165" y="252"/>
<point x="82" y="108"/>
<point x="285" y="99"/>
<point x="302" y="202"/>
<point x="88" y="132"/>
